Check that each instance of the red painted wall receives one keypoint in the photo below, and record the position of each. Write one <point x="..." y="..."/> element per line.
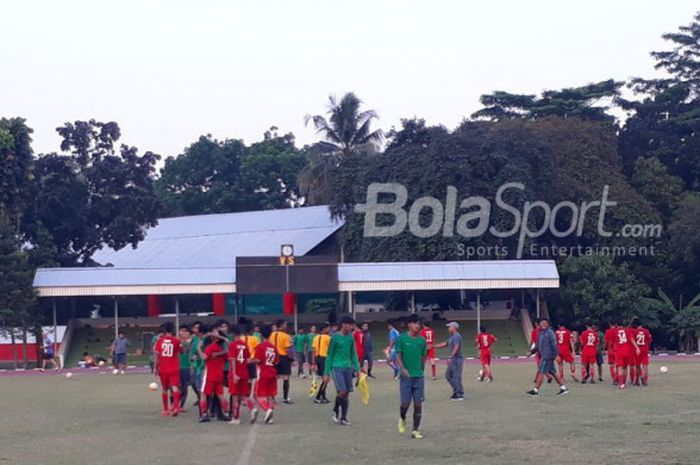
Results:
<point x="32" y="350"/>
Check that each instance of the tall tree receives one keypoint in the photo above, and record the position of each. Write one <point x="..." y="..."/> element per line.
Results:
<point x="214" y="176"/>
<point x="98" y="194"/>
<point x="590" y="102"/>
<point x="16" y="165"/>
<point x="665" y="121"/>
<point x="347" y="130"/>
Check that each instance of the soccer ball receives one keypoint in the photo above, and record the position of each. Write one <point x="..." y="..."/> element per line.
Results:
<point x="663" y="369"/>
<point x="69" y="375"/>
<point x="152" y="387"/>
<point x="101" y="364"/>
<point x="115" y="372"/>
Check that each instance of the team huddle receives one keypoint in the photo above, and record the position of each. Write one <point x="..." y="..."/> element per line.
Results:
<point x="627" y="348"/>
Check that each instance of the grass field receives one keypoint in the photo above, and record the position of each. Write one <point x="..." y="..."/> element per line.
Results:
<point x="104" y="419"/>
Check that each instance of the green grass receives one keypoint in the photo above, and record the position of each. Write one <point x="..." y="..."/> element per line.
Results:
<point x="103" y="419"/>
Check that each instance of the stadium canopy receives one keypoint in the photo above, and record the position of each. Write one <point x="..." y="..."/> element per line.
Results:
<point x="197" y="255"/>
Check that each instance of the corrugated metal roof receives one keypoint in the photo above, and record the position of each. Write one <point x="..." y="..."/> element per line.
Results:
<point x="207" y="241"/>
<point x="488" y="274"/>
<point x="195" y="251"/>
<point x="62" y="277"/>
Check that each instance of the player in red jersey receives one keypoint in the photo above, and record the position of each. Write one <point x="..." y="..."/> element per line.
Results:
<point x="609" y="338"/>
<point x="214" y="356"/>
<point x="428" y="334"/>
<point x="484" y="341"/>
<point x="266" y="387"/>
<point x="642" y="337"/>
<point x="565" y="345"/>
<point x="626" y="352"/>
<point x="239" y="382"/>
<point x="166" y="365"/>
<point x="359" y="336"/>
<point x="589" y="346"/>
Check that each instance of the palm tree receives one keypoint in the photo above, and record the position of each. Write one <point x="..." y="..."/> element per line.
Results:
<point x="346" y="131"/>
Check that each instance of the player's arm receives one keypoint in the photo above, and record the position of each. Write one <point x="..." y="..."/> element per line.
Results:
<point x="355" y="359"/>
<point x="634" y="344"/>
<point x="441" y="345"/>
<point x="399" y="362"/>
<point x="329" y="361"/>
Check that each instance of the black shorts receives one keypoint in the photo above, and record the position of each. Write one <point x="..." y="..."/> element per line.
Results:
<point x="284" y="368"/>
<point x="320" y="365"/>
<point x="47" y="356"/>
<point x="252" y="371"/>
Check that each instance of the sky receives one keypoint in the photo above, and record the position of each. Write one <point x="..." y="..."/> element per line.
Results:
<point x="170" y="71"/>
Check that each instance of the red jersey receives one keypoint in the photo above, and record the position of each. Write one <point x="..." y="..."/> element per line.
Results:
<point x="239" y="354"/>
<point x="609" y="338"/>
<point x="429" y="335"/>
<point x="589" y="342"/>
<point x="642" y="337"/>
<point x="359" y="337"/>
<point x="623" y="340"/>
<point x="485" y="341"/>
<point x="214" y="365"/>
<point x="167" y="349"/>
<point x="534" y="335"/>
<point x="267" y="355"/>
<point x="563" y="340"/>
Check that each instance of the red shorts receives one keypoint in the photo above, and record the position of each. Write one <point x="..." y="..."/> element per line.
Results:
<point x="643" y="357"/>
<point x="431" y="354"/>
<point x="566" y="356"/>
<point x="624" y="359"/>
<point x="588" y="358"/>
<point x="266" y="387"/>
<point x="241" y="388"/>
<point x="171" y="379"/>
<point x="211" y="387"/>
<point x="485" y="357"/>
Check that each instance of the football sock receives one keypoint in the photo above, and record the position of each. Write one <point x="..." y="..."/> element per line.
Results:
<point x="249" y="403"/>
<point x="434" y="369"/>
<point x="176" y="400"/>
<point x="285" y="387"/>
<point x="417" y="416"/>
<point x="224" y="406"/>
<point x="403" y="410"/>
<point x="263" y="403"/>
<point x="183" y="396"/>
<point x="164" y="398"/>
<point x="336" y="407"/>
<point x="203" y="406"/>
<point x="345" y="406"/>
<point x="236" y="409"/>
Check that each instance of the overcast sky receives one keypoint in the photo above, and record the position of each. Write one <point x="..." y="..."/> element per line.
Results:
<point x="168" y="72"/>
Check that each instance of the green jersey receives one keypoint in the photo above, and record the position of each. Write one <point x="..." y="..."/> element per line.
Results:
<point x="341" y="353"/>
<point x="299" y="343"/>
<point x="258" y="335"/>
<point x="601" y="341"/>
<point x="310" y="341"/>
<point x="185" y="355"/>
<point x="197" y="362"/>
<point x="413" y="351"/>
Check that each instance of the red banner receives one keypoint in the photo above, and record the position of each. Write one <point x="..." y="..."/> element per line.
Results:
<point x="289" y="303"/>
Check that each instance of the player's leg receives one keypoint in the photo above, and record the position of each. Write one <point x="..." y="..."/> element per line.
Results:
<point x="184" y="387"/>
<point x="164" y="394"/>
<point x="418" y="394"/>
<point x="223" y="401"/>
<point x="405" y="395"/>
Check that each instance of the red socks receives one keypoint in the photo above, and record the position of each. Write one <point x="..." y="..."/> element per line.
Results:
<point x="164" y="398"/>
<point x="249" y="403"/>
<point x="434" y="368"/>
